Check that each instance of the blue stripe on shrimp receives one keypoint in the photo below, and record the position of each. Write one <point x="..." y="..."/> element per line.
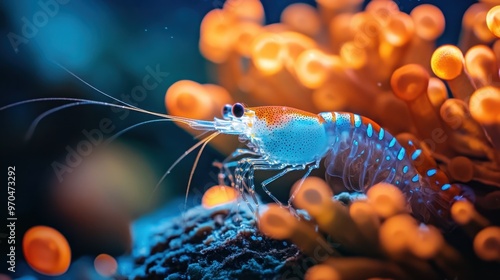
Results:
<point x="364" y="154"/>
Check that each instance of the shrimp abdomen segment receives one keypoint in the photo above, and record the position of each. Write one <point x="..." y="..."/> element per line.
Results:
<point x="289" y="136"/>
<point x="362" y="154"/>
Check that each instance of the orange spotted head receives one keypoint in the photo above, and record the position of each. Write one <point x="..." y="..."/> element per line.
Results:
<point x="287" y="135"/>
<point x="280" y="134"/>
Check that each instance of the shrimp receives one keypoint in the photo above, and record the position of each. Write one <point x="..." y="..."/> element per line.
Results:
<point x="356" y="150"/>
<point x="284" y="139"/>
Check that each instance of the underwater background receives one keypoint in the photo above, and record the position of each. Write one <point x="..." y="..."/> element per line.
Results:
<point x="93" y="199"/>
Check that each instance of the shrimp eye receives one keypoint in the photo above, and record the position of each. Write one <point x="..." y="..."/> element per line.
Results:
<point x="226" y="110"/>
<point x="238" y="110"/>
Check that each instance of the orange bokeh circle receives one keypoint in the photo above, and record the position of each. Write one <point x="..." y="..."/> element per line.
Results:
<point x="46" y="250"/>
<point x="105" y="265"/>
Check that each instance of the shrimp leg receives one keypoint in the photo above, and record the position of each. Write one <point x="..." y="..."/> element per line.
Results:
<point x="275" y="177"/>
<point x="309" y="170"/>
<point x="240" y="152"/>
<point x="261" y="165"/>
<point x="244" y="172"/>
<point x="229" y="162"/>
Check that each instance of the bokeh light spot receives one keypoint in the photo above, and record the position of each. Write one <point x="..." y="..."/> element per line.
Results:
<point x="218" y="195"/>
<point x="46" y="250"/>
<point x="493" y="20"/>
<point x="105" y="265"/>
